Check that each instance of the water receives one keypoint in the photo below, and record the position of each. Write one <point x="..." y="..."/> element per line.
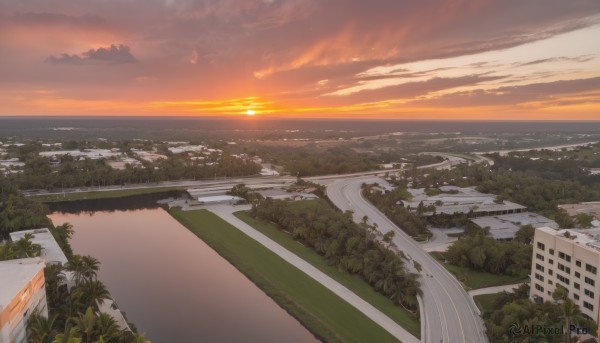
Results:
<point x="172" y="285"/>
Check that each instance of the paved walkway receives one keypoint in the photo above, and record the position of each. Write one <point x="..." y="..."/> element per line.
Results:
<point x="495" y="289"/>
<point x="226" y="212"/>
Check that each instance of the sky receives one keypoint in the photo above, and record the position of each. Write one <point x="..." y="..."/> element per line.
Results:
<point x="401" y="59"/>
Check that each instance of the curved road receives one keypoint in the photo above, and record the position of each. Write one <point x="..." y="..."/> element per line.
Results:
<point x="450" y="313"/>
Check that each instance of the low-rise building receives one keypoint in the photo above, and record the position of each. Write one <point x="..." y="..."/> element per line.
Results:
<point x="51" y="252"/>
<point x="217" y="199"/>
<point x="22" y="292"/>
<point x="567" y="258"/>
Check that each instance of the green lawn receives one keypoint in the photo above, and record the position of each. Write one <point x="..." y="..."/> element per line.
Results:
<point x="101" y="194"/>
<point x="485" y="302"/>
<point x="472" y="279"/>
<point x="321" y="311"/>
<point x="352" y="282"/>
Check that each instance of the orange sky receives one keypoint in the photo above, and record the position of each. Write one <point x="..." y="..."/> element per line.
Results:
<point x="454" y="59"/>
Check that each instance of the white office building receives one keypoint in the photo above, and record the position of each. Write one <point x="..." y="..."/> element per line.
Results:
<point x="22" y="292"/>
<point x="569" y="258"/>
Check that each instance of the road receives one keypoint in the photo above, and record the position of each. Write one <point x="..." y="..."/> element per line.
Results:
<point x="214" y="184"/>
<point x="226" y="212"/>
<point x="494" y="289"/>
<point x="450" y="314"/>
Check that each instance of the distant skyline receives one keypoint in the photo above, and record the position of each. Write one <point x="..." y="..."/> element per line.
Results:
<point x="455" y="59"/>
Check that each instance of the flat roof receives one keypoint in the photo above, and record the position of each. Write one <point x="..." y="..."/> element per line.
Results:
<point x="218" y="198"/>
<point x="515" y="220"/>
<point x="15" y="275"/>
<point x="51" y="251"/>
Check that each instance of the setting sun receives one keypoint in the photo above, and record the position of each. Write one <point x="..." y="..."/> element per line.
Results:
<point x="250" y="112"/>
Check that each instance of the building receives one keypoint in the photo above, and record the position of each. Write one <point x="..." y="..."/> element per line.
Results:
<point x="569" y="258"/>
<point x="51" y="252"/>
<point x="22" y="292"/>
<point x="505" y="226"/>
<point x="219" y="199"/>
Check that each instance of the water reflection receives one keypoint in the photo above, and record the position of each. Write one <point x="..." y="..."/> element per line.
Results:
<point x="172" y="285"/>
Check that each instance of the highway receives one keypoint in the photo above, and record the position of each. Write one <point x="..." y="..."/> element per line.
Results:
<point x="450" y="315"/>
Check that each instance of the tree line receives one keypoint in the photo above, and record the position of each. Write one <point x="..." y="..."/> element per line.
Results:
<point x="480" y="252"/>
<point x="390" y="203"/>
<point x="343" y="243"/>
<point x="514" y="311"/>
<point x="38" y="173"/>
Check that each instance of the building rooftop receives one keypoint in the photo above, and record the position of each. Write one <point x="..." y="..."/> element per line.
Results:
<point x="15" y="275"/>
<point x="585" y="237"/>
<point x="219" y="198"/>
<point x="51" y="251"/>
<point x="506" y="225"/>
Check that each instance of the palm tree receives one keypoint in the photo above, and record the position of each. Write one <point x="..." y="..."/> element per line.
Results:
<point x="40" y="329"/>
<point x="107" y="327"/>
<point x="83" y="268"/>
<point x="91" y="293"/>
<point x="25" y="248"/>
<point x="86" y="323"/>
<point x="7" y="251"/>
<point x="70" y="335"/>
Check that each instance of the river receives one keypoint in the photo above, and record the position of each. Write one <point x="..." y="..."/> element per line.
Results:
<point x="172" y="285"/>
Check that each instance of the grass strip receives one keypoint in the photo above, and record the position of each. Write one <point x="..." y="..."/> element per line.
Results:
<point x="120" y="193"/>
<point x="353" y="282"/>
<point x="472" y="279"/>
<point x="485" y="302"/>
<point x="326" y="315"/>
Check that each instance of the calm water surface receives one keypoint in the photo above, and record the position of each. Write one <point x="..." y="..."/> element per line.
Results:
<point x="172" y="285"/>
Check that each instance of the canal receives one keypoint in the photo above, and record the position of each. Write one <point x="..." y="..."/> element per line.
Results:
<point x="170" y="284"/>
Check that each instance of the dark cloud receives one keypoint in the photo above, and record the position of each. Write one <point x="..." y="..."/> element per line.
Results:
<point x="46" y="19"/>
<point x="579" y="59"/>
<point x="115" y="54"/>
<point x="407" y="90"/>
<point x="515" y="94"/>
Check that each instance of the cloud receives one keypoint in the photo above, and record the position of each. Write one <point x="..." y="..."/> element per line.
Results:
<point x="514" y="95"/>
<point x="583" y="58"/>
<point x="111" y="55"/>
<point x="194" y="57"/>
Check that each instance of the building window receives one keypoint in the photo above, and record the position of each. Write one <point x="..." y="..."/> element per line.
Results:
<point x="577" y="275"/>
<point x="589" y="281"/>
<point x="564" y="269"/>
<point x="576" y="285"/>
<point x="539" y="267"/>
<point x="588" y="306"/>
<point x="564" y="256"/>
<point x="589" y="293"/>
<point x="550" y="282"/>
<point x="539" y="277"/>
<point x="549" y="271"/>
<point x="551" y="261"/>
<point x="539" y="257"/>
<point x="591" y="269"/>
<point x="578" y="263"/>
<point x="539" y="288"/>
<point x="551" y="251"/>
<point x="562" y="279"/>
<point x="541" y="246"/>
<point x="576" y="296"/>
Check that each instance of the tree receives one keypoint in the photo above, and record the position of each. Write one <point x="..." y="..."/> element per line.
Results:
<point x="83" y="268"/>
<point x="69" y="335"/>
<point x="40" y="329"/>
<point x="86" y="323"/>
<point x="24" y="247"/>
<point x="584" y="220"/>
<point x="91" y="293"/>
<point x="525" y="234"/>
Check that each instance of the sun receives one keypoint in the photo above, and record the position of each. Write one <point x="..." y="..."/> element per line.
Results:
<point x="250" y="112"/>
